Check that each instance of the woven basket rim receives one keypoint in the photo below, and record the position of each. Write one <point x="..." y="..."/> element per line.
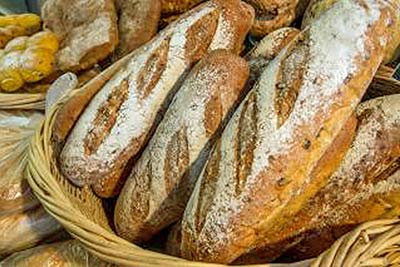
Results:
<point x="108" y="246"/>
<point x="35" y="101"/>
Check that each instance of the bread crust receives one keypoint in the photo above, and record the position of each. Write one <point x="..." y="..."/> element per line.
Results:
<point x="365" y="187"/>
<point x="258" y="174"/>
<point x="156" y="193"/>
<point x="119" y="120"/>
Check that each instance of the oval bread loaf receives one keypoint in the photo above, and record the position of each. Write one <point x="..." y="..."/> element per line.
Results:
<point x="121" y="117"/>
<point x="365" y="187"/>
<point x="258" y="174"/>
<point x="156" y="193"/>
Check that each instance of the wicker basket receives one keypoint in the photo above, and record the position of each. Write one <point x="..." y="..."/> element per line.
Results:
<point x="22" y="101"/>
<point x="83" y="216"/>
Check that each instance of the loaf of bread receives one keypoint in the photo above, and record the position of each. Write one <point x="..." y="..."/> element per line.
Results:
<point x="155" y="194"/>
<point x="121" y="117"/>
<point x="23" y="230"/>
<point x="16" y="130"/>
<point x="87" y="31"/>
<point x="365" y="187"/>
<point x="173" y="244"/>
<point x="274" y="14"/>
<point x="258" y="174"/>
<point x="318" y="7"/>
<point x="137" y="24"/>
<point x="63" y="254"/>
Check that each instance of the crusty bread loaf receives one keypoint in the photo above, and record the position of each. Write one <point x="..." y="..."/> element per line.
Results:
<point x="274" y="14"/>
<point x="258" y="174"/>
<point x="137" y="23"/>
<point x="156" y="193"/>
<point x="120" y="118"/>
<point x="23" y="230"/>
<point x="318" y="7"/>
<point x="365" y="187"/>
<point x="87" y="31"/>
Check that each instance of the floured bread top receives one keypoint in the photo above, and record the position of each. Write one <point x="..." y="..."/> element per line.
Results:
<point x="118" y="120"/>
<point x="300" y="103"/>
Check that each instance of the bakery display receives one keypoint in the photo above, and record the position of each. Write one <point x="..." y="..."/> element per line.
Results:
<point x="259" y="174"/>
<point x="221" y="131"/>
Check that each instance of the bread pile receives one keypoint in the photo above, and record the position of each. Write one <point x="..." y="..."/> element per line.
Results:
<point x="23" y="221"/>
<point x="248" y="159"/>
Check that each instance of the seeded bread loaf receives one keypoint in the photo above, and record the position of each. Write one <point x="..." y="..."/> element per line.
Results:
<point x="258" y="174"/>
<point x="122" y="116"/>
<point x="365" y="187"/>
<point x="156" y="193"/>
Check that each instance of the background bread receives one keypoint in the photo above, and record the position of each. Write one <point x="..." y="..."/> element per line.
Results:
<point x="137" y="23"/>
<point x="63" y="254"/>
<point x="23" y="230"/>
<point x="257" y="176"/>
<point x="274" y="14"/>
<point x="155" y="194"/>
<point x="87" y="31"/>
<point x="16" y="130"/>
<point x="115" y="126"/>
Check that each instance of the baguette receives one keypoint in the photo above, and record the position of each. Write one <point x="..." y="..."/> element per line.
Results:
<point x="156" y="193"/>
<point x="258" y="174"/>
<point x="121" y="117"/>
<point x="365" y="187"/>
<point x="173" y="7"/>
<point x="137" y="24"/>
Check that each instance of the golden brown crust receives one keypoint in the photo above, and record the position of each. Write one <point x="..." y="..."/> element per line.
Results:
<point x="162" y="179"/>
<point x="365" y="187"/>
<point x="274" y="245"/>
<point x="137" y="23"/>
<point x="220" y="222"/>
